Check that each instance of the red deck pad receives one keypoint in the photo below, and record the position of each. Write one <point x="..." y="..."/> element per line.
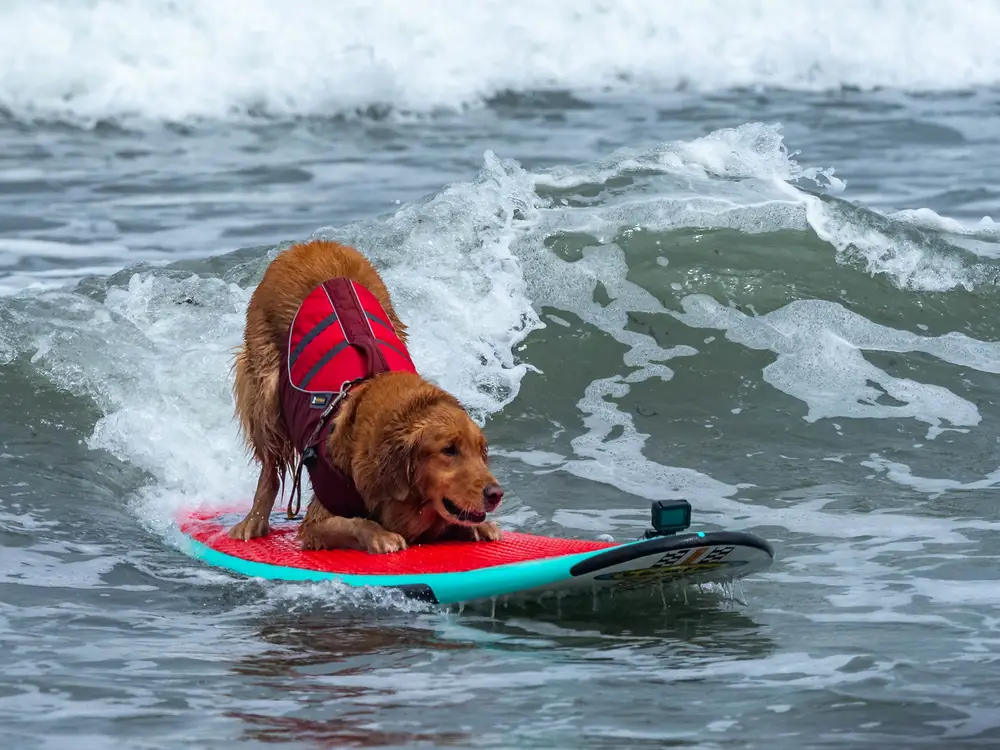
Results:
<point x="281" y="547"/>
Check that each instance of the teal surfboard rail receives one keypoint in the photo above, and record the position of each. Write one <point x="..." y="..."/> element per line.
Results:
<point x="448" y="588"/>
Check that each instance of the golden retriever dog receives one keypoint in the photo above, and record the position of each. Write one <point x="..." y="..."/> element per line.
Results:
<point x="397" y="460"/>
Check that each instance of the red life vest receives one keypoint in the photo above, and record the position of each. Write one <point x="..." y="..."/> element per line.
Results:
<point x="340" y="335"/>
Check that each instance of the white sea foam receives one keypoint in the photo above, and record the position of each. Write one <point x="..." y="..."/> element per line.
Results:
<point x="221" y="58"/>
<point x="819" y="346"/>
<point x="934" y="486"/>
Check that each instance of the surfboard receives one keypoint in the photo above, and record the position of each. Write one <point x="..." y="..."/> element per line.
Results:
<point x="520" y="565"/>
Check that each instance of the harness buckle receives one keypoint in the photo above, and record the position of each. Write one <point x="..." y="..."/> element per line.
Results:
<point x="345" y="388"/>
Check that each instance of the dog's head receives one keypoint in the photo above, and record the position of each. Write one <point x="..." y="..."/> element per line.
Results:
<point x="439" y="459"/>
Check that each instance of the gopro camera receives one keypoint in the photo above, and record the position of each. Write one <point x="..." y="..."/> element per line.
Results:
<point x="669" y="517"/>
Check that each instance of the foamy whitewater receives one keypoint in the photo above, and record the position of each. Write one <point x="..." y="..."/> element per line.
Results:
<point x="739" y="253"/>
<point x="166" y="60"/>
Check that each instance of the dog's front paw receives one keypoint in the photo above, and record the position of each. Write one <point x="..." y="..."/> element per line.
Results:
<point x="486" y="532"/>
<point x="383" y="542"/>
<point x="251" y="527"/>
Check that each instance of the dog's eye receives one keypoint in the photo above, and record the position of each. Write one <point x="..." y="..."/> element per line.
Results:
<point x="450" y="450"/>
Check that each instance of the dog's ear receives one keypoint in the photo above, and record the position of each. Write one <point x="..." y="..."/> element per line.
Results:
<point x="393" y="472"/>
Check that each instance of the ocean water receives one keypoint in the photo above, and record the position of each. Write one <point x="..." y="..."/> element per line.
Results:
<point x="742" y="253"/>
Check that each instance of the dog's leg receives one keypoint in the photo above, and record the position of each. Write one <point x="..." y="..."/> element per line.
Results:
<point x="488" y="531"/>
<point x="256" y="390"/>
<point x="337" y="532"/>
<point x="256" y="522"/>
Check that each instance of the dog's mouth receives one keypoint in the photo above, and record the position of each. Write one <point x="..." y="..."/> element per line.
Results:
<point x="464" y="516"/>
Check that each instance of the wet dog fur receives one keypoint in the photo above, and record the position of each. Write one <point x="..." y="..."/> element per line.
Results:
<point x="418" y="460"/>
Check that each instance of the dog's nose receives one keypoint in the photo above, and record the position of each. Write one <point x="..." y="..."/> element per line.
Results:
<point x="492" y="495"/>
